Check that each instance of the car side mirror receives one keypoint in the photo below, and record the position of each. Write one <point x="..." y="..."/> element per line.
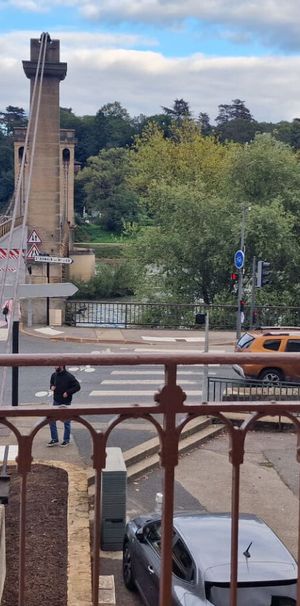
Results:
<point x="140" y="535"/>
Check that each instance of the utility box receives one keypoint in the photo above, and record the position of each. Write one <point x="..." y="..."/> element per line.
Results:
<point x="114" y="482"/>
<point x="55" y="317"/>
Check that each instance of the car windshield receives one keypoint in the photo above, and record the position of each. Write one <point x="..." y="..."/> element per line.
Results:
<point x="245" y="341"/>
<point x="272" y="594"/>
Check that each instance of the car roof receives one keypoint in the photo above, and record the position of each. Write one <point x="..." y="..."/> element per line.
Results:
<point x="208" y="537"/>
<point x="276" y="330"/>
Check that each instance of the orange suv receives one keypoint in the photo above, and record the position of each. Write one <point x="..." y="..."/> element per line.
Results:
<point x="272" y="340"/>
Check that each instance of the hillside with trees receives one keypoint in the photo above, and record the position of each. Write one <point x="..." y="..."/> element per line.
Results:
<point x="174" y="187"/>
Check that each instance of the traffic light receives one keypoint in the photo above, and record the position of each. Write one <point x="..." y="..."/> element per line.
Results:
<point x="234" y="278"/>
<point x="263" y="273"/>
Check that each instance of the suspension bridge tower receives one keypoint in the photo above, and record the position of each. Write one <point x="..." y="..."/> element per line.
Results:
<point x="48" y="176"/>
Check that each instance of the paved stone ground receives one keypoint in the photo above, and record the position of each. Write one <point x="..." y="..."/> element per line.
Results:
<point x="269" y="481"/>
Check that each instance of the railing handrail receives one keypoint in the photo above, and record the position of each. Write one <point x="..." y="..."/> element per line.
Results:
<point x="177" y="315"/>
<point x="129" y="358"/>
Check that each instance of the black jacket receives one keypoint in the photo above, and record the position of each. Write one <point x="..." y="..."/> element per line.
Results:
<point x="63" y="381"/>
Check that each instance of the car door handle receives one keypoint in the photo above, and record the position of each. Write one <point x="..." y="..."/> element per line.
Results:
<point x="150" y="569"/>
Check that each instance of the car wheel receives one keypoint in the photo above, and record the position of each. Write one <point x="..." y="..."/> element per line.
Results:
<point x="127" y="568"/>
<point x="271" y="376"/>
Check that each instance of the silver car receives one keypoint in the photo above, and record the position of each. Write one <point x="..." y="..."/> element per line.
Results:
<point x="267" y="572"/>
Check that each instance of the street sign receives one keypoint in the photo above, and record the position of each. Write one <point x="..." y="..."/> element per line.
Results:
<point x="33" y="252"/>
<point x="239" y="259"/>
<point x="41" y="291"/>
<point x="48" y="259"/>
<point x="34" y="238"/>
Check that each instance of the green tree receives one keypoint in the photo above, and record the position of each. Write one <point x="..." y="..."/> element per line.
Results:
<point x="179" y="112"/>
<point x="206" y="128"/>
<point x="113" y="126"/>
<point x="235" y="122"/>
<point x="106" y="191"/>
<point x="12" y="118"/>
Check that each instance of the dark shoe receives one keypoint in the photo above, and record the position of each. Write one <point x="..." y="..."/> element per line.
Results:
<point x="52" y="443"/>
<point x="64" y="443"/>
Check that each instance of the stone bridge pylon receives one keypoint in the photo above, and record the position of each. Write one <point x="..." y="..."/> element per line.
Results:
<point x="49" y="181"/>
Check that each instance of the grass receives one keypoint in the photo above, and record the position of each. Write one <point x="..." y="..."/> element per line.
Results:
<point x="104" y="250"/>
<point x="89" y="233"/>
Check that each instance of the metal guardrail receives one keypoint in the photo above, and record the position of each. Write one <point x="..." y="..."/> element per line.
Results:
<point x="228" y="390"/>
<point x="157" y="315"/>
<point x="5" y="226"/>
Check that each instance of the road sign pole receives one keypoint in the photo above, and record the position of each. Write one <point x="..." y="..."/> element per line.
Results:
<point x="239" y="260"/>
<point x="15" y="369"/>
<point x="48" y="300"/>
<point x="253" y="292"/>
<point x="205" y="367"/>
<point x="238" y="315"/>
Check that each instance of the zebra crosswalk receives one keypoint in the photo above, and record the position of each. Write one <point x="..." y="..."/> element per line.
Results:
<point x="144" y="382"/>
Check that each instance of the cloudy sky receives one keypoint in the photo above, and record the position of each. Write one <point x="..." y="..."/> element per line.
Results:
<point x="147" y="53"/>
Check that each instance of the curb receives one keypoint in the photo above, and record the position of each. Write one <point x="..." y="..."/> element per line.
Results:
<point x="75" y="339"/>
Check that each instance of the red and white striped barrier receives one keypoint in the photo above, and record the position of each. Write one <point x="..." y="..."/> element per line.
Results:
<point x="14" y="253"/>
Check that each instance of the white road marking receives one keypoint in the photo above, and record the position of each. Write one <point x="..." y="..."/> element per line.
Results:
<point x="87" y="368"/>
<point x="161" y="372"/>
<point x="144" y="382"/>
<point x="153" y="372"/>
<point x="49" y="331"/>
<point x="173" y="339"/>
<point x="162" y="339"/>
<point x="178" y="351"/>
<point x="3" y="334"/>
<point x="42" y="394"/>
<point x="122" y="393"/>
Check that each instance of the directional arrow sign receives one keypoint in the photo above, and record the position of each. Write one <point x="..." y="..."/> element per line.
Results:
<point x="40" y="291"/>
<point x="46" y="259"/>
<point x="239" y="259"/>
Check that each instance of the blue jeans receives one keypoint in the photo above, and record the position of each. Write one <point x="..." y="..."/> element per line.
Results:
<point x="53" y="428"/>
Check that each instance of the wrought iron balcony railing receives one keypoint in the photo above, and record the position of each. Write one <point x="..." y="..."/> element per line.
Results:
<point x="176" y="411"/>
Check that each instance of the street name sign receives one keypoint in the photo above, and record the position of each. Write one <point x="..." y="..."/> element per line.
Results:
<point x="40" y="291"/>
<point x="239" y="259"/>
<point x="46" y="259"/>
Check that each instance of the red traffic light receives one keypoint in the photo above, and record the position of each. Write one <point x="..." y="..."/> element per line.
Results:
<point x="234" y="277"/>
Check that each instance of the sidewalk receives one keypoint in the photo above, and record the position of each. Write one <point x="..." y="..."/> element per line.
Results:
<point x="116" y="336"/>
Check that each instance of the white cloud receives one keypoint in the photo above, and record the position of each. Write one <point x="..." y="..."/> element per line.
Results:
<point x="143" y="81"/>
<point x="273" y="22"/>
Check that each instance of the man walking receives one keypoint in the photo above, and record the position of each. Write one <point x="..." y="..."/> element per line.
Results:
<point x="63" y="385"/>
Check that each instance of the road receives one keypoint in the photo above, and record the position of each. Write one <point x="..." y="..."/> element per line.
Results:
<point x="108" y="384"/>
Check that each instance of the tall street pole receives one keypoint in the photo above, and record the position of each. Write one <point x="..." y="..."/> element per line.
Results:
<point x="240" y="282"/>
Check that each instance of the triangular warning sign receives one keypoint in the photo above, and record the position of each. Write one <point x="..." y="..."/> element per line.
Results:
<point x="33" y="252"/>
<point x="34" y="237"/>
